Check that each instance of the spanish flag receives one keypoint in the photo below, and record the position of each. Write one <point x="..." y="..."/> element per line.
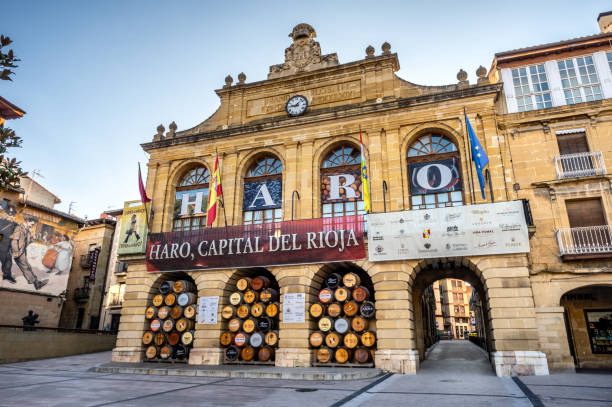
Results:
<point x="214" y="194"/>
<point x="365" y="185"/>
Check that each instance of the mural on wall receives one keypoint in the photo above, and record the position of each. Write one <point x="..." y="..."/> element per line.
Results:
<point x="36" y="255"/>
<point x="133" y="233"/>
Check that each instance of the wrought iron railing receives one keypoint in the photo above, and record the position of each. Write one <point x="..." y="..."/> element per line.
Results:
<point x="116" y="299"/>
<point x="580" y="165"/>
<point x="585" y="240"/>
<point x="86" y="260"/>
<point x="81" y="294"/>
<point x="121" y="268"/>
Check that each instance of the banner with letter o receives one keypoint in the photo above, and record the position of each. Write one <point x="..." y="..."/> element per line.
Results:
<point x="433" y="177"/>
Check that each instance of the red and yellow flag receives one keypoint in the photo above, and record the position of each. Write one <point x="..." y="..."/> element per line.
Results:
<point x="214" y="194"/>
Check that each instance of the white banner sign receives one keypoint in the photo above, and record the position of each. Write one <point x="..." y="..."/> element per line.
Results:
<point x="471" y="230"/>
<point x="294" y="308"/>
<point x="207" y="310"/>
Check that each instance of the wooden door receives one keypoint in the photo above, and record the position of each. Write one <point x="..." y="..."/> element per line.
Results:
<point x="584" y="217"/>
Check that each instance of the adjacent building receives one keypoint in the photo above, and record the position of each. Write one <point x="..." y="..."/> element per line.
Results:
<point x="453" y="308"/>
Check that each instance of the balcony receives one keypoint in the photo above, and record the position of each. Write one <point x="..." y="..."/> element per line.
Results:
<point x="580" y="165"/>
<point x="116" y="300"/>
<point x="121" y="268"/>
<point x="86" y="261"/>
<point x="81" y="294"/>
<point x="585" y="242"/>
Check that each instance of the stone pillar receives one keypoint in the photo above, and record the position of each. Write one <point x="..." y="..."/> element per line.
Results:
<point x="553" y="338"/>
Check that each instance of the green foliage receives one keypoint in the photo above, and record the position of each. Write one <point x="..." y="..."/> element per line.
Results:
<point x="7" y="59"/>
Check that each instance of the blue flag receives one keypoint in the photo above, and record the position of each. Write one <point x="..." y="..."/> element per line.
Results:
<point x="479" y="156"/>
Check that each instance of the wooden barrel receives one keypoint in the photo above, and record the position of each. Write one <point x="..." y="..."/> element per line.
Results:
<point x="257" y="309"/>
<point x="160" y="338"/>
<point x="316" y="339"/>
<point x="325" y="355"/>
<point x="235" y="298"/>
<point x="184" y="324"/>
<point x="180" y="352"/>
<point x="325" y="324"/>
<point x="342" y="294"/>
<point x="185" y="299"/>
<point x="151" y="352"/>
<point x="332" y="339"/>
<point x="228" y="312"/>
<point x="190" y="311"/>
<point x="232" y="353"/>
<point x="187" y="338"/>
<point x="341" y="325"/>
<point x="368" y="339"/>
<point x="334" y="310"/>
<point x="166" y="351"/>
<point x="333" y="280"/>
<point x="162" y="312"/>
<point x="183" y="286"/>
<point x="176" y="312"/>
<point x="359" y="324"/>
<point x="316" y="310"/>
<point x="256" y="340"/>
<point x="150" y="312"/>
<point x="243" y="284"/>
<point x="174" y="338"/>
<point x="265" y="324"/>
<point x="272" y="310"/>
<point x="249" y="325"/>
<point x="166" y="287"/>
<point x="170" y="299"/>
<point x="234" y="324"/>
<point x="351" y="340"/>
<point x="155" y="325"/>
<point x="342" y="355"/>
<point x="260" y="282"/>
<point x="250" y="296"/>
<point x="226" y="338"/>
<point x="243" y="311"/>
<point x="269" y="295"/>
<point x="265" y="353"/>
<point x="361" y="294"/>
<point x="350" y="308"/>
<point x="147" y="338"/>
<point x="168" y="325"/>
<point x="271" y="338"/>
<point x="367" y="310"/>
<point x="158" y="300"/>
<point x="241" y="339"/>
<point x="247" y="353"/>
<point x="362" y="355"/>
<point x="351" y="280"/>
<point x="326" y="296"/>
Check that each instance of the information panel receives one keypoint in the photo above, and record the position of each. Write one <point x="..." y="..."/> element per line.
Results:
<point x="294" y="308"/>
<point x="471" y="230"/>
<point x="207" y="310"/>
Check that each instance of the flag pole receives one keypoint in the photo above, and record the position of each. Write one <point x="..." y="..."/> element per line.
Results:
<point x="470" y="158"/>
<point x="144" y="201"/>
<point x="221" y="199"/>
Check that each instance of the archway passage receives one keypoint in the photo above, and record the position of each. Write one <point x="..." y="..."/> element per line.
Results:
<point x="588" y="324"/>
<point x="170" y="318"/>
<point x="250" y="315"/>
<point x="450" y="303"/>
<point x="342" y="316"/>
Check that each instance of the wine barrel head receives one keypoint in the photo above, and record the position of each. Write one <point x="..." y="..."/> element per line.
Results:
<point x="271" y="338"/>
<point x="362" y="355"/>
<point x="243" y="311"/>
<point x="334" y="310"/>
<point x="160" y="338"/>
<point x="180" y="352"/>
<point x="256" y="340"/>
<point x="162" y="312"/>
<point x="234" y="324"/>
<point x="170" y="299"/>
<point x="264" y="324"/>
<point x="151" y="352"/>
<point x="226" y="338"/>
<point x="257" y="310"/>
<point x="231" y="353"/>
<point x="351" y="280"/>
<point x="351" y="340"/>
<point x="165" y="352"/>
<point x="367" y="309"/>
<point x="187" y="338"/>
<point x="316" y="310"/>
<point x="250" y="296"/>
<point x="183" y="325"/>
<point x="189" y="311"/>
<point x="158" y="300"/>
<point x="332" y="339"/>
<point x="185" y="299"/>
<point x="260" y="282"/>
<point x="150" y="312"/>
<point x="325" y="324"/>
<point x="155" y="325"/>
<point x="359" y="324"/>
<point x="342" y="355"/>
<point x="341" y="325"/>
<point x="247" y="353"/>
<point x="147" y="338"/>
<point x="324" y="355"/>
<point x="249" y="325"/>
<point x="361" y="294"/>
<point x="166" y="287"/>
<point x="350" y="308"/>
<point x="342" y="294"/>
<point x="272" y="310"/>
<point x="228" y="312"/>
<point x="173" y="338"/>
<point x="243" y="283"/>
<point x="333" y="280"/>
<point x="326" y="295"/>
<point x="176" y="312"/>
<point x="241" y="339"/>
<point x="316" y="339"/>
<point x="235" y="298"/>
<point x="368" y="338"/>
<point x="268" y="295"/>
<point x="168" y="325"/>
<point x="265" y="354"/>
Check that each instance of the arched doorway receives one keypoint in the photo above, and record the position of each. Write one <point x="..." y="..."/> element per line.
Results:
<point x="588" y="323"/>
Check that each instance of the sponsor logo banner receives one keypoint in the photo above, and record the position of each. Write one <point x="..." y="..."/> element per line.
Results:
<point x="471" y="230"/>
<point x="343" y="186"/>
<point x="435" y="176"/>
<point x="133" y="233"/>
<point x="295" y="242"/>
<point x="262" y="195"/>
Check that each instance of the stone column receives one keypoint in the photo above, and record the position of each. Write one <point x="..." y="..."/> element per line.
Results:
<point x="553" y="338"/>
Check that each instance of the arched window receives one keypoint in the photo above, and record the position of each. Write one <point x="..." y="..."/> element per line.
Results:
<point x="263" y="192"/>
<point x="434" y="172"/>
<point x="341" y="189"/>
<point x="191" y="200"/>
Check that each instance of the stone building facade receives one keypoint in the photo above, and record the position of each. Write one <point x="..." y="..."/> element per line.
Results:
<point x="394" y="117"/>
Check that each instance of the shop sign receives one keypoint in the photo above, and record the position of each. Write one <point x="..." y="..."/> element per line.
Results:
<point x="133" y="233"/>
<point x="471" y="230"/>
<point x="433" y="177"/>
<point x="341" y="186"/>
<point x="296" y="242"/>
<point x="260" y="195"/>
<point x="94" y="263"/>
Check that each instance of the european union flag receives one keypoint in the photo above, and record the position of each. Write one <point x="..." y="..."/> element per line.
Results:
<point x="479" y="156"/>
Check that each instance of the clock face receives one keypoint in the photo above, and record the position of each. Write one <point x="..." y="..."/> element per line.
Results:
<point x="296" y="105"/>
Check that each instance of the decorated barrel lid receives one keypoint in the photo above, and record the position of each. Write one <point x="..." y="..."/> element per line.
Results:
<point x="226" y="338"/>
<point x="268" y="295"/>
<point x="368" y="338"/>
<point x="243" y="311"/>
<point x="260" y="282"/>
<point x="367" y="309"/>
<point x="325" y="324"/>
<point x="184" y="324"/>
<point x="350" y="308"/>
<point x="176" y="312"/>
<point x="332" y="339"/>
<point x="256" y="340"/>
<point x="248" y="325"/>
<point x="151" y="352"/>
<point x="351" y="280"/>
<point x="227" y="312"/>
<point x="231" y="353"/>
<point x="235" y="298"/>
<point x="351" y="340"/>
<point x="341" y="325"/>
<point x="150" y="312"/>
<point x="155" y="325"/>
<point x="334" y="309"/>
<point x="342" y="355"/>
<point x="264" y="354"/>
<point x="264" y="324"/>
<point x="241" y="339"/>
<point x="316" y="310"/>
<point x="333" y="280"/>
<point x="187" y="338"/>
<point x="189" y="311"/>
<point x="316" y="339"/>
<point x="271" y="338"/>
<point x="358" y="324"/>
<point x="160" y="338"/>
<point x="247" y="353"/>
<point x="162" y="312"/>
<point x="234" y="324"/>
<point x="272" y="310"/>
<point x="342" y="294"/>
<point x="362" y="355"/>
<point x="326" y="295"/>
<point x="173" y="338"/>
<point x="166" y="287"/>
<point x="170" y="299"/>
<point x="165" y="352"/>
<point x="257" y="309"/>
<point x="243" y="283"/>
<point x="324" y="355"/>
<point x="158" y="300"/>
<point x="147" y="338"/>
<point x="168" y="325"/>
<point x="361" y="294"/>
<point x="250" y="296"/>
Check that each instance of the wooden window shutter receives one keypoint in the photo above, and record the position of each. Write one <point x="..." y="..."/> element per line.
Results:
<point x="572" y="143"/>
<point x="587" y="212"/>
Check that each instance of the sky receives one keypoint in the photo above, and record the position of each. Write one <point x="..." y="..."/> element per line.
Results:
<point x="97" y="78"/>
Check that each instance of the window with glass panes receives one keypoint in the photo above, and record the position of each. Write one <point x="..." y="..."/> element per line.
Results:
<point x="344" y="157"/>
<point x="610" y="60"/>
<point x="195" y="179"/>
<point x="579" y="79"/>
<point x="531" y="87"/>
<point x="264" y="168"/>
<point x="434" y="147"/>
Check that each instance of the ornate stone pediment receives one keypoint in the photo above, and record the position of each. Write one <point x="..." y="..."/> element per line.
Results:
<point x="303" y="55"/>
